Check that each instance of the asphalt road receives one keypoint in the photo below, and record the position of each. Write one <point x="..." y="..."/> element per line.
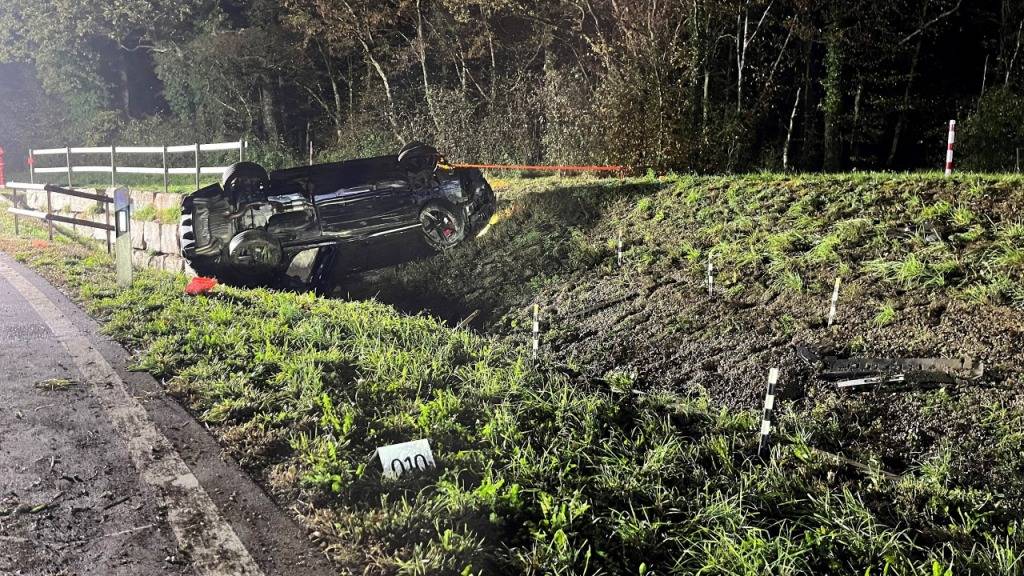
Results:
<point x="102" y="473"/>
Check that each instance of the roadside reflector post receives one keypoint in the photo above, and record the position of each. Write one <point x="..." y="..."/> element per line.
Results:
<point x="31" y="168"/>
<point x="763" y="446"/>
<point x="949" y="147"/>
<point x="711" y="277"/>
<point x="835" y="299"/>
<point x="536" y="329"/>
<point x="123" y="237"/>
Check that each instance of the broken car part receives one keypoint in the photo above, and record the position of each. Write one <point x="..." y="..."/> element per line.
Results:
<point x="858" y="373"/>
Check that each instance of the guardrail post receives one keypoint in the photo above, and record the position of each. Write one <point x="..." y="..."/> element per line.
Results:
<point x="49" y="210"/>
<point x="165" y="167"/>
<point x="68" y="156"/>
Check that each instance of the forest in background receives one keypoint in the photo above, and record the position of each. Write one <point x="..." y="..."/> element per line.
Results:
<point x="686" y="85"/>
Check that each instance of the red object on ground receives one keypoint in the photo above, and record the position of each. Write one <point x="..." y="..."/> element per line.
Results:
<point x="40" y="244"/>
<point x="3" y="181"/>
<point x="200" y="285"/>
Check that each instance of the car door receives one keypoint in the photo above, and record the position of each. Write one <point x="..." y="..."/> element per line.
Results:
<point x="364" y="197"/>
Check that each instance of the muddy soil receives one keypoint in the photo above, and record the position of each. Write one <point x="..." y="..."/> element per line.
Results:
<point x="657" y="327"/>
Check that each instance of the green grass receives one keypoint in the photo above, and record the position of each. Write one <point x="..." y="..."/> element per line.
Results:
<point x="543" y="472"/>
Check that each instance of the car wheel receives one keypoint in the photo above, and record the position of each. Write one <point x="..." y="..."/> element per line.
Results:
<point x="244" y="181"/>
<point x="444" y="226"/>
<point x="252" y="258"/>
<point x="418" y="157"/>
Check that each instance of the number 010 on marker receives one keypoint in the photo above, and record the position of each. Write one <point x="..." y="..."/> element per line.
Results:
<point x="398" y="459"/>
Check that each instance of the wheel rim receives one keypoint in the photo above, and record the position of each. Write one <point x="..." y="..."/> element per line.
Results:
<point x="440" y="225"/>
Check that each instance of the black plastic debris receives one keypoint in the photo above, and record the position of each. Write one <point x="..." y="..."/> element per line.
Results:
<point x="863" y="373"/>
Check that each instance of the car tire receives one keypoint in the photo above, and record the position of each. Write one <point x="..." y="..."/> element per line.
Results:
<point x="443" y="225"/>
<point x="418" y="157"/>
<point x="417" y="149"/>
<point x="244" y="181"/>
<point x="252" y="258"/>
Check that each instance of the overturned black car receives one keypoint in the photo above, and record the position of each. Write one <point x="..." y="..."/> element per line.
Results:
<point x="247" y="230"/>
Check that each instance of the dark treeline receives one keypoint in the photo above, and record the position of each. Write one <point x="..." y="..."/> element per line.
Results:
<point x="701" y="85"/>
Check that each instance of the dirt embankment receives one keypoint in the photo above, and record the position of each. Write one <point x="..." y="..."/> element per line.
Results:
<point x="929" y="267"/>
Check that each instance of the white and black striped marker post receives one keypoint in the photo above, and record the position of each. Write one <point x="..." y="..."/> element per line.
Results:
<point x="536" y="329"/>
<point x="618" y="250"/>
<point x="835" y="300"/>
<point x="949" y="147"/>
<point x="711" y="278"/>
<point x="766" y="417"/>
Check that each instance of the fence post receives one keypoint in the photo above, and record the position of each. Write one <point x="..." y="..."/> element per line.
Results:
<point x="197" y="166"/>
<point x="68" y="156"/>
<point x="49" y="211"/>
<point x="113" y="165"/>
<point x="106" y="218"/>
<point x="241" y="151"/>
<point x="31" y="167"/>
<point x="165" y="167"/>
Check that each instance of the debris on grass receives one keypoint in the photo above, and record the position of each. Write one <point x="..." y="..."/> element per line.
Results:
<point x="200" y="285"/>
<point x="53" y="384"/>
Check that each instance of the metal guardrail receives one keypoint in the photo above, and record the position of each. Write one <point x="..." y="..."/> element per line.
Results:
<point x="49" y="217"/>
<point x="113" y="169"/>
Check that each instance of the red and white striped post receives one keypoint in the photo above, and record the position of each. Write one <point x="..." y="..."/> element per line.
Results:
<point x="949" y="147"/>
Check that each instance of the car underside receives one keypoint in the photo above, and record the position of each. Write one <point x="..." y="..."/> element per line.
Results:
<point x="248" y="229"/>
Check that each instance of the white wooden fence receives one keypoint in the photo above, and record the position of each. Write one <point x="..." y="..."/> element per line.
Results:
<point x="114" y="168"/>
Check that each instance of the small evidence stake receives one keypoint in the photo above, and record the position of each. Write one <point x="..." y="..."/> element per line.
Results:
<point x="711" y="278"/>
<point x="766" y="416"/>
<point x="835" y="300"/>
<point x="536" y="329"/>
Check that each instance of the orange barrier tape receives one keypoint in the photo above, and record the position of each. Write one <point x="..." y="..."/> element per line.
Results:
<point x="545" y="168"/>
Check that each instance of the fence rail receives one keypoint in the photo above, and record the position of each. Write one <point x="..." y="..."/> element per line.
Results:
<point x="114" y="169"/>
<point x="49" y="217"/>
